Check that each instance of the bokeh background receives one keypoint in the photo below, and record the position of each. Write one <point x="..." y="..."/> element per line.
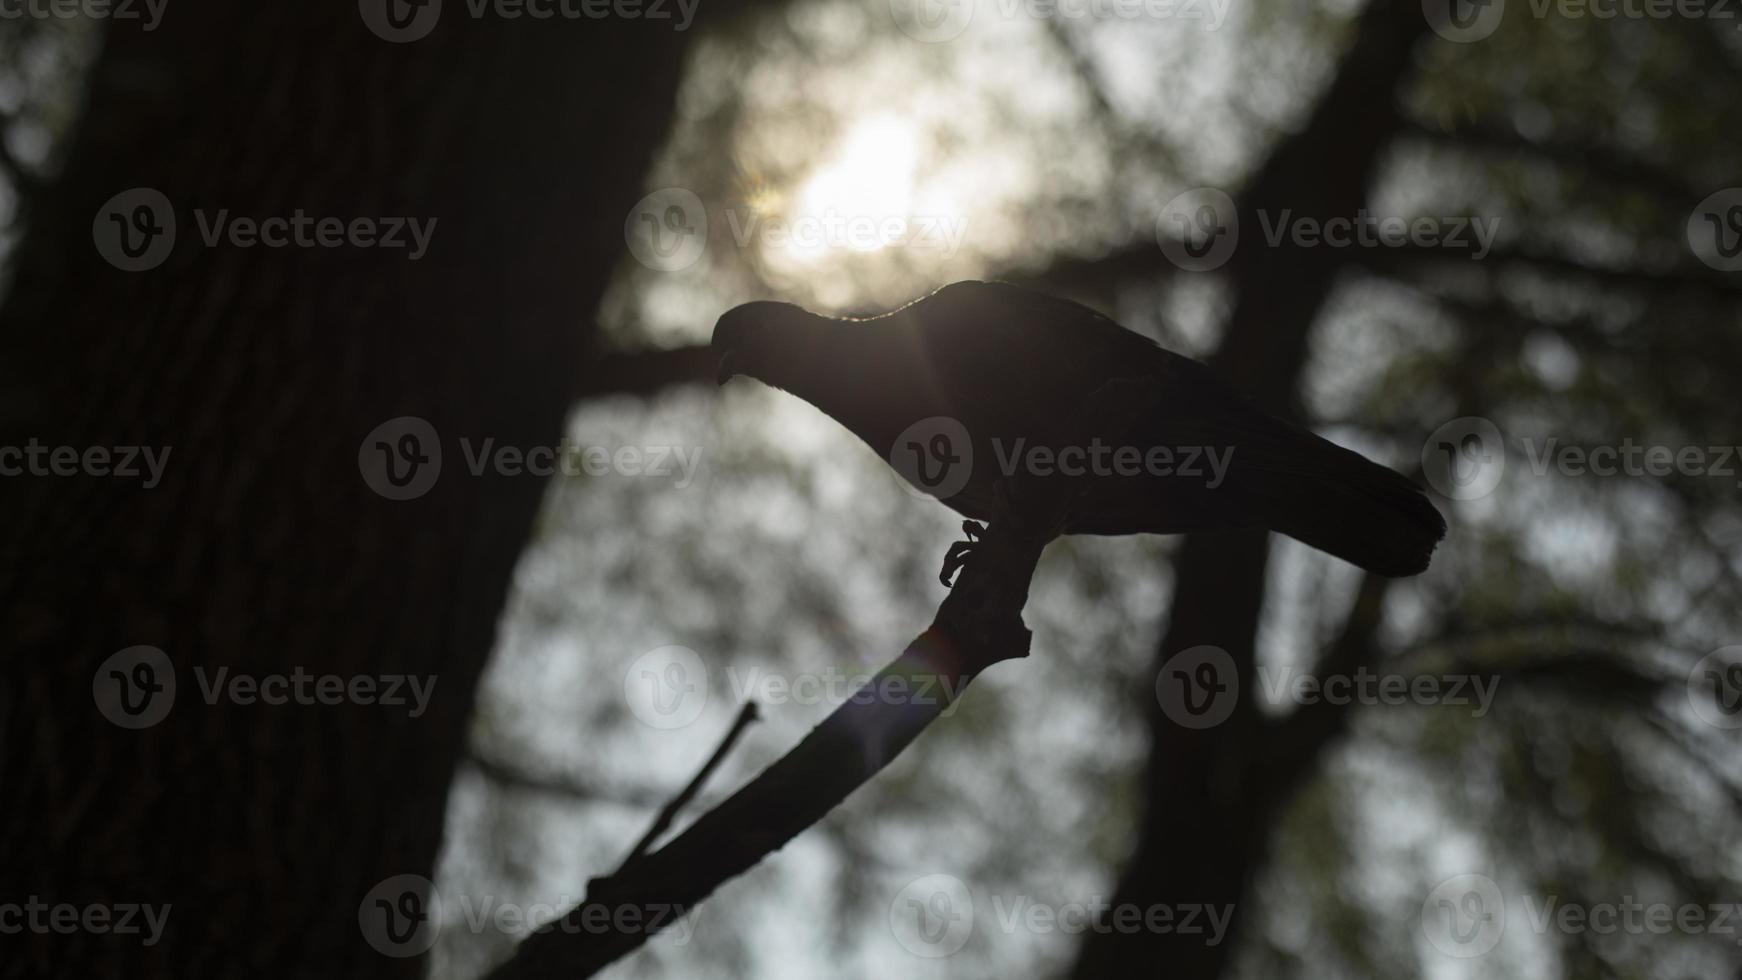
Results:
<point x="1052" y="150"/>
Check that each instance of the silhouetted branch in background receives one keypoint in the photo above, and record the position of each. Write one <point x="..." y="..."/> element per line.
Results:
<point x="514" y="776"/>
<point x="646" y="372"/>
<point x="1410" y="259"/>
<point x="1606" y="161"/>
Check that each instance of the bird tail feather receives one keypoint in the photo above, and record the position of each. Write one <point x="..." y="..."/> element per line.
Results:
<point x="1340" y="502"/>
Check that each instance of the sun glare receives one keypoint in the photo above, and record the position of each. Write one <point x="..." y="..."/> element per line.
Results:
<point x="860" y="198"/>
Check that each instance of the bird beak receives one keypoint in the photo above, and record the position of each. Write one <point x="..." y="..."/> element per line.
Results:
<point x="726" y="370"/>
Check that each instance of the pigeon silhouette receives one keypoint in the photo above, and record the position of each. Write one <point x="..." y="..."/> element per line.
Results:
<point x="982" y="381"/>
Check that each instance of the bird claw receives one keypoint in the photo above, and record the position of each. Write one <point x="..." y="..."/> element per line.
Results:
<point x="958" y="554"/>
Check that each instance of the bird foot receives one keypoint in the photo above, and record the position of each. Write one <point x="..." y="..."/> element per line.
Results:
<point x="958" y="554"/>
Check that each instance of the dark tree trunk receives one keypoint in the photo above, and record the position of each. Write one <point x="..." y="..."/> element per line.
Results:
<point x="1211" y="792"/>
<point x="263" y="550"/>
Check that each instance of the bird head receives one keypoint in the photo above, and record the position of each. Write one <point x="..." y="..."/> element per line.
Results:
<point x="762" y="340"/>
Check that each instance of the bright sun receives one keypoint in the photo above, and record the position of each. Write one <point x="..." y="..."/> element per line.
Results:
<point x="861" y="197"/>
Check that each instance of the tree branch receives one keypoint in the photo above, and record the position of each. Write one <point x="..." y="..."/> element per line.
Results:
<point x="646" y="372"/>
<point x="669" y="812"/>
<point x="1610" y="163"/>
<point x="511" y="776"/>
<point x="978" y="624"/>
<point x="1405" y="259"/>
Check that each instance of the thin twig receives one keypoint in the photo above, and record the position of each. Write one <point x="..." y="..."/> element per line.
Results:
<point x="668" y="812"/>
